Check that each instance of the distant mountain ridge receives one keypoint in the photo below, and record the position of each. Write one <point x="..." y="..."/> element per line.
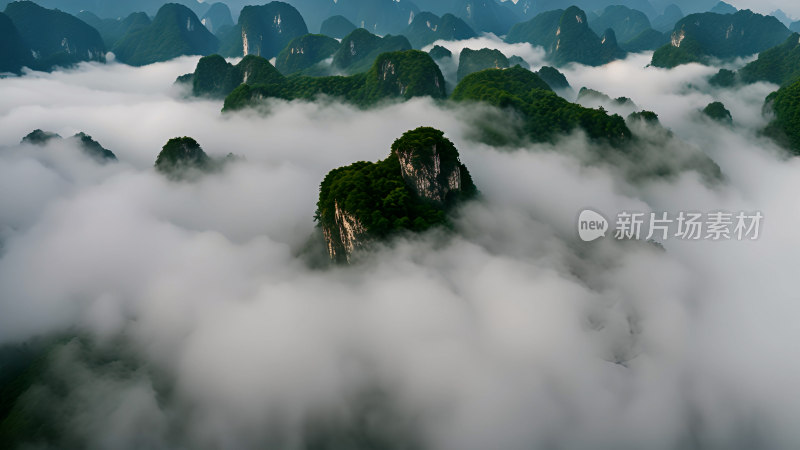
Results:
<point x="566" y="37"/>
<point x="698" y="37"/>
<point x="54" y="38"/>
<point x="175" y="31"/>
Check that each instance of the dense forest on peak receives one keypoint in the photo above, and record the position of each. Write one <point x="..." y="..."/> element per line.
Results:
<point x="545" y="114"/>
<point x="215" y="77"/>
<point x="393" y="75"/>
<point x="779" y="64"/>
<point x="785" y="126"/>
<point x="366" y="201"/>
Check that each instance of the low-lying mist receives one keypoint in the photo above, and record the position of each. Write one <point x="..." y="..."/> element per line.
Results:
<point x="187" y="313"/>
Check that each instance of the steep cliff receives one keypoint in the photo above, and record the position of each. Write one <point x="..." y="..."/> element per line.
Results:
<point x="412" y="190"/>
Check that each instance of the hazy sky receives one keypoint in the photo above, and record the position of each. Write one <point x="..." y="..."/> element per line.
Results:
<point x="790" y="7"/>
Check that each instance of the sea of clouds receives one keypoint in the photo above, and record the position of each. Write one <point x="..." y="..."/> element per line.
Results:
<point x="216" y="331"/>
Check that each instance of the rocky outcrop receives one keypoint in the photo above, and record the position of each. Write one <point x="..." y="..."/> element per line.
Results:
<point x="410" y="191"/>
<point x="426" y="175"/>
<point x="345" y="235"/>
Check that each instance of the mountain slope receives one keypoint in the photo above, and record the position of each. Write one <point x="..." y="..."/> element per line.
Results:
<point x="112" y="30"/>
<point x="360" y="48"/>
<point x="544" y="114"/>
<point x="217" y="17"/>
<point x="785" y="127"/>
<point x="336" y="27"/>
<point x="779" y="65"/>
<point x="14" y="53"/>
<point x="627" y="23"/>
<point x="566" y="37"/>
<point x="698" y="37"/>
<point x="471" y="61"/>
<point x="216" y="78"/>
<point x="175" y="31"/>
<point x="267" y="29"/>
<point x="54" y="37"/>
<point x="304" y="52"/>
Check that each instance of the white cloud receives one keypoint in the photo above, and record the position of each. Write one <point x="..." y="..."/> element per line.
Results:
<point x="504" y="335"/>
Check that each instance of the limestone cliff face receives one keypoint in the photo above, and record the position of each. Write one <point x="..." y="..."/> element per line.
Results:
<point x="345" y="235"/>
<point x="427" y="176"/>
<point x="411" y="190"/>
<point x="677" y="37"/>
